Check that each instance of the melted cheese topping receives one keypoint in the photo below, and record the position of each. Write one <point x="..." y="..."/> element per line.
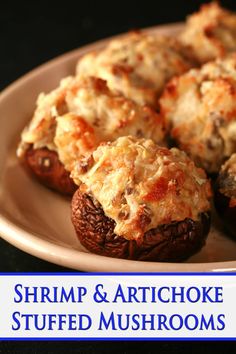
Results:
<point x="141" y="185"/>
<point x="211" y="32"/>
<point x="137" y="65"/>
<point x="41" y="130"/>
<point x="83" y="112"/>
<point x="200" y="107"/>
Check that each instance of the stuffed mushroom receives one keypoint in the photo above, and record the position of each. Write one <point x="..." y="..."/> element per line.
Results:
<point x="200" y="108"/>
<point x="138" y="200"/>
<point x="71" y="121"/>
<point x="138" y="65"/>
<point x="225" y="194"/>
<point x="210" y="33"/>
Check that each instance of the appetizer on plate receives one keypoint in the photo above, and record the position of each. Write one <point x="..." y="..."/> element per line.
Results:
<point x="225" y="194"/>
<point x="200" y="108"/>
<point x="72" y="120"/>
<point x="138" y="200"/>
<point x="101" y="136"/>
<point x="138" y="65"/>
<point x="210" y="33"/>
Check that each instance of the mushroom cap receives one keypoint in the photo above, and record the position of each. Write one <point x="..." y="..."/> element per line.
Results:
<point x="225" y="194"/>
<point x="141" y="185"/>
<point x="44" y="164"/>
<point x="171" y="242"/>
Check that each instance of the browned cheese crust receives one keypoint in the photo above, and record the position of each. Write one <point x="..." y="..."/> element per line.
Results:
<point x="72" y="120"/>
<point x="210" y="32"/>
<point x="140" y="201"/>
<point x="200" y="107"/>
<point x="171" y="242"/>
<point x="138" y="65"/>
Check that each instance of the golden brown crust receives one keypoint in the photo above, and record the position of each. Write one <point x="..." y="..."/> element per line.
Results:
<point x="211" y="32"/>
<point x="46" y="167"/>
<point x="80" y="114"/>
<point x="71" y="121"/>
<point x="229" y="167"/>
<point x="96" y="115"/>
<point x="174" y="242"/>
<point x="141" y="185"/>
<point x="138" y="65"/>
<point x="200" y="108"/>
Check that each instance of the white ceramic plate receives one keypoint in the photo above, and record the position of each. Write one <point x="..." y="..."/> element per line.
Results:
<point x="37" y="220"/>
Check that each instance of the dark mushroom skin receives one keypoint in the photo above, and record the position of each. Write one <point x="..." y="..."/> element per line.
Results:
<point x="171" y="242"/>
<point x="45" y="165"/>
<point x="222" y="201"/>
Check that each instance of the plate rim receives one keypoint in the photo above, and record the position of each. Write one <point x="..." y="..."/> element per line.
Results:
<point x="48" y="250"/>
<point x="52" y="252"/>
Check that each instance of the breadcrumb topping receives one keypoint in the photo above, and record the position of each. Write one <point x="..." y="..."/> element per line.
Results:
<point x="141" y="185"/>
<point x="211" y="32"/>
<point x="138" y="65"/>
<point x="200" y="107"/>
<point x="76" y="117"/>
